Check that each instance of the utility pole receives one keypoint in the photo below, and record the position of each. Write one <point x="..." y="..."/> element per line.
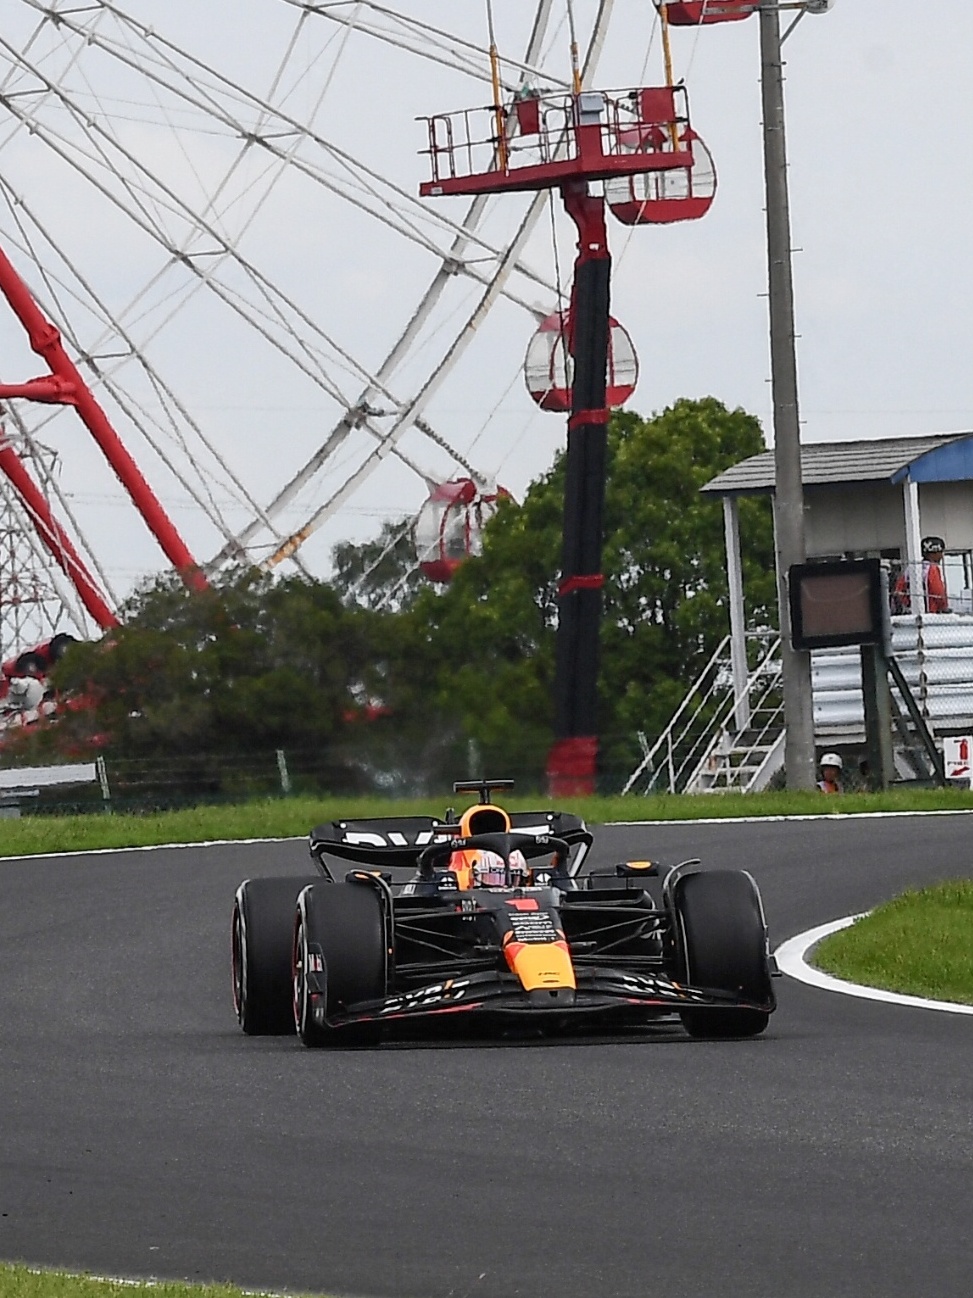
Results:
<point x="789" y="493"/>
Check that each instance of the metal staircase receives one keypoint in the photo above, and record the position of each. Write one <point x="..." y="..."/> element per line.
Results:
<point x="716" y="743"/>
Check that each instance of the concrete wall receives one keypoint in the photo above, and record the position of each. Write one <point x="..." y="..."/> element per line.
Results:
<point x="867" y="517"/>
<point x="872" y="517"/>
<point x="946" y="510"/>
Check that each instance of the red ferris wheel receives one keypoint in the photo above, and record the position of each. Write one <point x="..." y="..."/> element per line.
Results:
<point x="212" y="174"/>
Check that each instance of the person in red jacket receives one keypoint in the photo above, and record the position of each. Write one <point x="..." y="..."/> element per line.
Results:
<point x="935" y="599"/>
<point x="933" y="579"/>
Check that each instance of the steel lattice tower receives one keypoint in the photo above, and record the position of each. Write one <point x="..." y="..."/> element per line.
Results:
<point x="34" y="600"/>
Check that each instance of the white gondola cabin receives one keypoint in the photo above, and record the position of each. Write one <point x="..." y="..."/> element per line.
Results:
<point x="549" y="366"/>
<point x="449" y="528"/>
<point x="660" y="197"/>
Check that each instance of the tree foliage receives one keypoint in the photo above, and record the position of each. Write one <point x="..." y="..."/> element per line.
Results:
<point x="489" y="637"/>
<point x="250" y="664"/>
<point x="464" y="674"/>
<point x="380" y="573"/>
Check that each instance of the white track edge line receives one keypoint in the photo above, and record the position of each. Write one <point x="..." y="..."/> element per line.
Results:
<point x="832" y="816"/>
<point x="790" y="956"/>
<point x="151" y="847"/>
<point x="151" y="1283"/>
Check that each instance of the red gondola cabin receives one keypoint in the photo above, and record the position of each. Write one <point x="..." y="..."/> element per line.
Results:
<point x="449" y="528"/>
<point x="549" y="368"/>
<point x="694" y="13"/>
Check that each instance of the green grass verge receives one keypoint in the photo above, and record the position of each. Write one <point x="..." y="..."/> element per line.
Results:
<point x="920" y="944"/>
<point x="293" y="817"/>
<point x="20" y="1282"/>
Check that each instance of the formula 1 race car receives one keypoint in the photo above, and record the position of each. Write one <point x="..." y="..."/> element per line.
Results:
<point x="494" y="919"/>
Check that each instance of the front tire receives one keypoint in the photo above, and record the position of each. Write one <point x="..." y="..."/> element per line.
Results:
<point x="339" y="957"/>
<point x="723" y="946"/>
<point x="263" y="924"/>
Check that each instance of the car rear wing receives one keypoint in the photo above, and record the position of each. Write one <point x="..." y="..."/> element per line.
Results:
<point x="396" y="841"/>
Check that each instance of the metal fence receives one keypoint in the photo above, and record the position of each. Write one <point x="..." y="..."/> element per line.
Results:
<point x="935" y="653"/>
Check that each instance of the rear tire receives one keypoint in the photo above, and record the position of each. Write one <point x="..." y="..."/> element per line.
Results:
<point x="342" y="927"/>
<point x="263" y="925"/>
<point x="723" y="946"/>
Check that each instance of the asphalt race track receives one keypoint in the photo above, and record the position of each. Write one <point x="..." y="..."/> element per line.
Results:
<point x="142" y="1134"/>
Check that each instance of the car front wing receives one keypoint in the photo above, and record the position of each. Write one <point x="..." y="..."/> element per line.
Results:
<point x="600" y="991"/>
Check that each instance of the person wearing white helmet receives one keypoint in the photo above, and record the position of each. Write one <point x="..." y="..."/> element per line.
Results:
<point x="830" y="766"/>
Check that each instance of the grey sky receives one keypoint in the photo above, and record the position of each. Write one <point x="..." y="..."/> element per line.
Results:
<point x="879" y="111"/>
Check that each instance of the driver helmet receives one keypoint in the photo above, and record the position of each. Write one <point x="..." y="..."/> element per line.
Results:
<point x="489" y="870"/>
<point x="831" y="759"/>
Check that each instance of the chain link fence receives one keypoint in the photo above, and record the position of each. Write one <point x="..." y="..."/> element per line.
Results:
<point x="363" y="766"/>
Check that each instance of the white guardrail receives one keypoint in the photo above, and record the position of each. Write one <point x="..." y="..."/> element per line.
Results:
<point x="20" y="782"/>
<point x="936" y="657"/>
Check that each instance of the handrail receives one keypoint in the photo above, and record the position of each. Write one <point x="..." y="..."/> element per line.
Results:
<point x="676" y="715"/>
<point x="681" y="724"/>
<point x="728" y="706"/>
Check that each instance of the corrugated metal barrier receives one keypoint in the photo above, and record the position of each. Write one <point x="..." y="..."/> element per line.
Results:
<point x="935" y="653"/>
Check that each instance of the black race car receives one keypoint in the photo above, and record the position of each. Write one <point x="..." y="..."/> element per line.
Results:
<point x="490" y="915"/>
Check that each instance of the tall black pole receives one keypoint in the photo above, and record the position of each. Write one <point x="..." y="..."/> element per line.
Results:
<point x="789" y="493"/>
<point x="572" y="762"/>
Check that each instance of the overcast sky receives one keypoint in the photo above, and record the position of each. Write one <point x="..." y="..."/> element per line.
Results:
<point x="879" y="111"/>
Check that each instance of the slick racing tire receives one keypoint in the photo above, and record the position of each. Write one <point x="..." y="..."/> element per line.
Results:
<point x="723" y="943"/>
<point x="339" y="932"/>
<point x="263" y="925"/>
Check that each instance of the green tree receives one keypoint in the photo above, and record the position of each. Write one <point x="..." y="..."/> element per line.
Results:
<point x="460" y="681"/>
<point x="488" y="640"/>
<point x="249" y="665"/>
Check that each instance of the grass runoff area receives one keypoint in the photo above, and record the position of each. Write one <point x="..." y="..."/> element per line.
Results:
<point x="294" y="817"/>
<point x="920" y="944"/>
<point x="22" y="1282"/>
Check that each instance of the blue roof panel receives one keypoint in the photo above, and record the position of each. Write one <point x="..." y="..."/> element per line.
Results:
<point x="950" y="463"/>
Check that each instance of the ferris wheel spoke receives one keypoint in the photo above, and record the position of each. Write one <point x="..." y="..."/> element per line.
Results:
<point x="140" y="193"/>
<point x="458" y="347"/>
<point x="426" y="41"/>
<point x="139" y="416"/>
<point x="128" y="407"/>
<point x="214" y="234"/>
<point x="67" y="597"/>
<point x="268" y="289"/>
<point x="475" y="214"/>
<point x="201" y="238"/>
<point x="188" y="89"/>
<point x="377" y="562"/>
<point x="52" y="488"/>
<point x="144" y="218"/>
<point x="417" y="405"/>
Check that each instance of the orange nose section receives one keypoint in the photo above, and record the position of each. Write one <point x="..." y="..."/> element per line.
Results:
<point x="540" y="964"/>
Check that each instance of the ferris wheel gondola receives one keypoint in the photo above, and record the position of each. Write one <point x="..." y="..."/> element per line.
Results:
<point x="549" y="365"/>
<point x="449" y="527"/>
<point x="663" y="196"/>
<point x="695" y="13"/>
